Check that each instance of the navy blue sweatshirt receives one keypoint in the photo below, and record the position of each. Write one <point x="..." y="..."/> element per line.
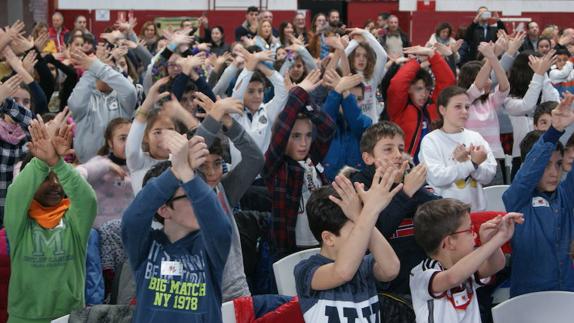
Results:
<point x="179" y="281"/>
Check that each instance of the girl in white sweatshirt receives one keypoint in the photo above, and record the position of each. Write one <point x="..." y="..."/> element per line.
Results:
<point x="459" y="161"/>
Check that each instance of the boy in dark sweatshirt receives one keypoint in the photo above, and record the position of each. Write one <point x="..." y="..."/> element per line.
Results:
<point x="383" y="145"/>
<point x="178" y="269"/>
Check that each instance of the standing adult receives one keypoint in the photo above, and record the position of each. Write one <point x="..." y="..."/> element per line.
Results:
<point x="394" y="40"/>
<point x="300" y="26"/>
<point x="532" y="35"/>
<point x="249" y="27"/>
<point x="57" y="30"/>
<point x="480" y="31"/>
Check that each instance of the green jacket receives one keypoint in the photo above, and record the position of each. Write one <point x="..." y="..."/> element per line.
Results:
<point x="48" y="266"/>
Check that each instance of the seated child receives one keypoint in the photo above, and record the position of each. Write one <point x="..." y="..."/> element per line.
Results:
<point x="540" y="248"/>
<point x="338" y="284"/>
<point x="178" y="269"/>
<point x="543" y="115"/>
<point x="383" y="144"/>
<point x="443" y="286"/>
<point x="50" y="209"/>
<point x="292" y="171"/>
<point x="459" y="160"/>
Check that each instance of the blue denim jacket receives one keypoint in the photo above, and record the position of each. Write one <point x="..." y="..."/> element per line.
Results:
<point x="541" y="246"/>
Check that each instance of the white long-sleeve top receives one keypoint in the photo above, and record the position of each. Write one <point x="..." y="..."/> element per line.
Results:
<point x="451" y="178"/>
<point x="566" y="74"/>
<point x="138" y="161"/>
<point x="370" y="105"/>
<point x="521" y="110"/>
<point x="260" y="125"/>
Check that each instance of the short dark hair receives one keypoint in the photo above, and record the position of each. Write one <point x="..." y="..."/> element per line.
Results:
<point x="258" y="77"/>
<point x="437" y="219"/>
<point x="324" y="214"/>
<point x="378" y="131"/>
<point x="425" y="76"/>
<point x="530" y="139"/>
<point x="468" y="73"/>
<point x="384" y="15"/>
<point x="544" y="108"/>
<point x="562" y="51"/>
<point x="153" y="172"/>
<point x="252" y="9"/>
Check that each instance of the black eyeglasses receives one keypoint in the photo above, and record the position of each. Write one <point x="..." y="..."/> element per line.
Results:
<point x="175" y="198"/>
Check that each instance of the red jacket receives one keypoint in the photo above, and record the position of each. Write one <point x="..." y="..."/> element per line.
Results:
<point x="402" y="112"/>
<point x="58" y="38"/>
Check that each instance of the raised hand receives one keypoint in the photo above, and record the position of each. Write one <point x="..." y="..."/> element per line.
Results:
<point x="29" y="61"/>
<point x="415" y="179"/>
<point x="541" y="65"/>
<point x="488" y="229"/>
<point x="419" y="50"/>
<point x="14" y="31"/>
<point x="41" y="146"/>
<point x="506" y="226"/>
<point x="59" y="121"/>
<point x="487" y="50"/>
<point x="62" y="140"/>
<point x="81" y="60"/>
<point x="348" y="199"/>
<point x="380" y="193"/>
<point x="21" y="44"/>
<point x="312" y="80"/>
<point x="562" y="115"/>
<point x="8" y="88"/>
<point x="188" y="63"/>
<point x="442" y="49"/>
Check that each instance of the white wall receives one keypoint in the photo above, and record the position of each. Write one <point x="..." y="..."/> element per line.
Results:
<point x="174" y="4"/>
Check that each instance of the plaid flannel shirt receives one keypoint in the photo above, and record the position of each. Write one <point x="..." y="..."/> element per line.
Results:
<point x="284" y="176"/>
<point x="12" y="154"/>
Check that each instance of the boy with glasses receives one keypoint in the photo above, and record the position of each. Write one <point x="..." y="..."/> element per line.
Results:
<point x="443" y="286"/>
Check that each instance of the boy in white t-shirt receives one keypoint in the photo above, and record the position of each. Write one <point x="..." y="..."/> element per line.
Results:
<point x="443" y="286"/>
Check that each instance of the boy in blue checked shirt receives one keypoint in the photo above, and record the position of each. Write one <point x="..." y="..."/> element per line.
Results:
<point x="541" y="247"/>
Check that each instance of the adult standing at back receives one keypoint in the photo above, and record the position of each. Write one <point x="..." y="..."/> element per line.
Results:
<point x="57" y="30"/>
<point x="531" y="40"/>
<point x="249" y="27"/>
<point x="394" y="40"/>
<point x="480" y="31"/>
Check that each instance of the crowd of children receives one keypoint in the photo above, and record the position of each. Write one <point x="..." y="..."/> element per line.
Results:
<point x="152" y="162"/>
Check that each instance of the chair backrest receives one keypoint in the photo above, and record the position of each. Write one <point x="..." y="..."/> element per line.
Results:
<point x="63" y="319"/>
<point x="493" y="195"/>
<point x="553" y="306"/>
<point x="283" y="270"/>
<point x="228" y="312"/>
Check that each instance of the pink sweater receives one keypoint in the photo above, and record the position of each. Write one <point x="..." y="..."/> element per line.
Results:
<point x="114" y="193"/>
<point x="483" y="119"/>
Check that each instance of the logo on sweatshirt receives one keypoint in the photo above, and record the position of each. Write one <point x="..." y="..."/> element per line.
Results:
<point x="538" y="201"/>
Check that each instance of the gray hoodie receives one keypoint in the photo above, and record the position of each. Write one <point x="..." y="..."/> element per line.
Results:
<point x="92" y="110"/>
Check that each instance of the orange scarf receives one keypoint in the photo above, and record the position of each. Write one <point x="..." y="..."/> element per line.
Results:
<point x="48" y="216"/>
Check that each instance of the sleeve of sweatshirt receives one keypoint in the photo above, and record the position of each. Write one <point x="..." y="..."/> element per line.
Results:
<point x="356" y="119"/>
<point x="549" y="92"/>
<point x="381" y="58"/>
<point x="215" y="225"/>
<point x="240" y="178"/>
<point x="79" y="100"/>
<point x="83" y="205"/>
<point x="557" y="75"/>
<point x="225" y="79"/>
<point x="137" y="218"/>
<point x="275" y="105"/>
<point x="438" y="173"/>
<point x="519" y="194"/>
<point x="135" y="157"/>
<point x="242" y="84"/>
<point x="307" y="59"/>
<point x="95" y="168"/>
<point x="126" y="91"/>
<point x="520" y="107"/>
<point x="19" y="196"/>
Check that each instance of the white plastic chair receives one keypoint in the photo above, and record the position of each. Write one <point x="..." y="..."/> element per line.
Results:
<point x="63" y="319"/>
<point x="493" y="195"/>
<point x="283" y="270"/>
<point x="228" y="312"/>
<point x="554" y="306"/>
